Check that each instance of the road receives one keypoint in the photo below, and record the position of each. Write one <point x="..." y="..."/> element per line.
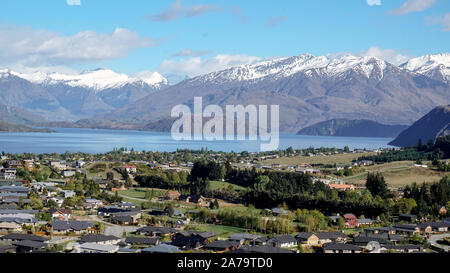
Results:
<point x="434" y="238"/>
<point x="112" y="229"/>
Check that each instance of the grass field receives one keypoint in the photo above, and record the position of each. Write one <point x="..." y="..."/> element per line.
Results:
<point x="216" y="185"/>
<point x="219" y="229"/>
<point x="101" y="169"/>
<point x="399" y="174"/>
<point x="319" y="159"/>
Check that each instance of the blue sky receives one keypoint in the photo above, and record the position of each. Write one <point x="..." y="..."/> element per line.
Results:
<point x="192" y="37"/>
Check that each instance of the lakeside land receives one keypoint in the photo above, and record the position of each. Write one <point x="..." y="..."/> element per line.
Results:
<point x="287" y="201"/>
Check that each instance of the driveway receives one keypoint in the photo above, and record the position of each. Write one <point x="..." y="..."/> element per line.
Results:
<point x="112" y="229"/>
<point x="434" y="238"/>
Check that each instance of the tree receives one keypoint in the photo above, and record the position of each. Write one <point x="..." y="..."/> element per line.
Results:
<point x="170" y="210"/>
<point x="376" y="184"/>
<point x="406" y="205"/>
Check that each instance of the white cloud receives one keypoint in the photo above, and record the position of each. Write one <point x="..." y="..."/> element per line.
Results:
<point x="373" y="2"/>
<point x="197" y="66"/>
<point x="191" y="53"/>
<point x="438" y="20"/>
<point x="390" y="55"/>
<point x="74" y="2"/>
<point x="413" y="6"/>
<point x="177" y="10"/>
<point x="38" y="47"/>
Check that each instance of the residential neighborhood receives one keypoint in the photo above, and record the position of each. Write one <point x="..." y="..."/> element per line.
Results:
<point x="112" y="206"/>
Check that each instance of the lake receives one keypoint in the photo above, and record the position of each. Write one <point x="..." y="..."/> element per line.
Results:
<point x="101" y="141"/>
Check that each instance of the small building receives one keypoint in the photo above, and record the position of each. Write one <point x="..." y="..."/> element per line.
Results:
<point x="77" y="227"/>
<point x="130" y="168"/>
<point x="162" y="248"/>
<point x="285" y="241"/>
<point x="341" y="248"/>
<point x="172" y="195"/>
<point x="350" y="220"/>
<point x="411" y="218"/>
<point x="98" y="248"/>
<point x="221" y="246"/>
<point x="60" y="214"/>
<point x="307" y="238"/>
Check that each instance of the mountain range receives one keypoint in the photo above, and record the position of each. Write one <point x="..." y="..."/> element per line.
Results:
<point x="309" y="89"/>
<point x="352" y="128"/>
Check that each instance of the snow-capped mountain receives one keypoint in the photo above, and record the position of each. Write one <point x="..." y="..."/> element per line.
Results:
<point x="58" y="96"/>
<point x="434" y="66"/>
<point x="284" y="67"/>
<point x="97" y="80"/>
<point x="308" y="89"/>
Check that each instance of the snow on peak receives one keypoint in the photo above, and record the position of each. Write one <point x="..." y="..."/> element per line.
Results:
<point x="430" y="65"/>
<point x="284" y="67"/>
<point x="97" y="79"/>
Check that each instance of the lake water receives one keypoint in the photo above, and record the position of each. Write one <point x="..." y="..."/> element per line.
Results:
<point x="100" y="141"/>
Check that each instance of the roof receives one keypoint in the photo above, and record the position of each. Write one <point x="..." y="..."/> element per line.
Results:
<point x="75" y="225"/>
<point x="243" y="236"/>
<point x="60" y="211"/>
<point x="264" y="249"/>
<point x="349" y="216"/>
<point x="331" y="235"/>
<point x="434" y="225"/>
<point x="29" y="243"/>
<point x="99" y="247"/>
<point x="338" y="246"/>
<point x="91" y="238"/>
<point x="282" y="239"/>
<point x="304" y="235"/>
<point x="222" y="244"/>
<point x="163" y="248"/>
<point x="367" y="239"/>
<point x="365" y="221"/>
<point x="22" y="237"/>
<point x="142" y="240"/>
<point x="153" y="229"/>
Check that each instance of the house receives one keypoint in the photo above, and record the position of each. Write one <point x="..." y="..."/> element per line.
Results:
<point x="341" y="248"/>
<point x="307" y="238"/>
<point x="162" y="248"/>
<point x="126" y="205"/>
<point x="403" y="248"/>
<point x="28" y="164"/>
<point x="172" y="195"/>
<point x="99" y="239"/>
<point x="67" y="193"/>
<point x="155" y="231"/>
<point x="363" y="240"/>
<point x="60" y="214"/>
<point x="122" y="219"/>
<point x="68" y="173"/>
<point x="350" y="220"/>
<point x="433" y="227"/>
<point x="221" y="246"/>
<point x="27" y="238"/>
<point x="243" y="238"/>
<point x="58" y="200"/>
<point x="379" y="230"/>
<point x="126" y="217"/>
<point x="78" y="164"/>
<point x="58" y="164"/>
<point x="77" y="227"/>
<point x="365" y="222"/>
<point x="409" y="229"/>
<point x="13" y="164"/>
<point x="264" y="249"/>
<point x="92" y="203"/>
<point x="142" y="241"/>
<point x="28" y="246"/>
<point x="199" y="200"/>
<point x="98" y="248"/>
<point x="130" y="168"/>
<point x="285" y="241"/>
<point x="331" y="237"/>
<point x="191" y="239"/>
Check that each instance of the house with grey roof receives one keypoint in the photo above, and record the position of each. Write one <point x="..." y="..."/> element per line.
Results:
<point x="97" y="248"/>
<point x="99" y="239"/>
<point x="162" y="248"/>
<point x="77" y="227"/>
<point x="341" y="248"/>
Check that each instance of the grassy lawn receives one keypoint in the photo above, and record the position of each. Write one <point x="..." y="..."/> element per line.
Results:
<point x="219" y="229"/>
<point x="319" y="159"/>
<point x="399" y="174"/>
<point x="216" y="185"/>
